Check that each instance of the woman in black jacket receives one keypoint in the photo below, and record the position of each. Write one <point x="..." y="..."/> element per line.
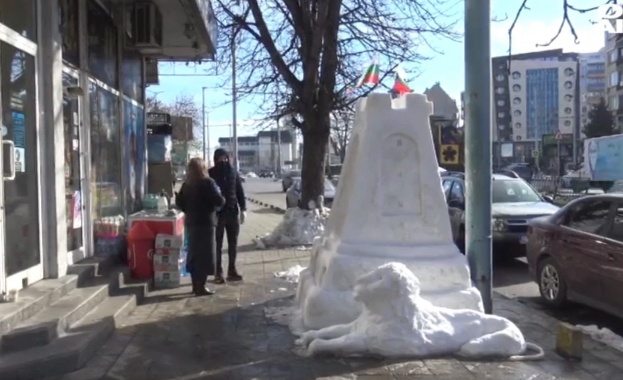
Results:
<point x="200" y="198"/>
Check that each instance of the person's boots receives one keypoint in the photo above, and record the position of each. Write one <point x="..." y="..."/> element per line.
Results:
<point x="201" y="290"/>
<point x="219" y="279"/>
<point x="232" y="275"/>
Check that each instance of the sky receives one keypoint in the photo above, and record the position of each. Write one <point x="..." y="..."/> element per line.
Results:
<point x="535" y="26"/>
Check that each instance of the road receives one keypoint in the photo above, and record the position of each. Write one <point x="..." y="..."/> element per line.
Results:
<point x="510" y="278"/>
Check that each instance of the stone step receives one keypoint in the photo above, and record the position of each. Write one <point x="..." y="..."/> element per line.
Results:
<point x="74" y="347"/>
<point x="40" y="295"/>
<point x="45" y="326"/>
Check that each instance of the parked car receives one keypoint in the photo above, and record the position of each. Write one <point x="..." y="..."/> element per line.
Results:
<point x="576" y="254"/>
<point x="617" y="187"/>
<point x="293" y="195"/>
<point x="288" y="179"/>
<point x="514" y="204"/>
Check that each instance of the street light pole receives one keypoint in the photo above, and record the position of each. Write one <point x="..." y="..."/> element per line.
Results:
<point x="478" y="145"/>
<point x="234" y="95"/>
<point x="203" y="124"/>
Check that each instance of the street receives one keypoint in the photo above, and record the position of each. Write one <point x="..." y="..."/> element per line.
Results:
<point x="510" y="278"/>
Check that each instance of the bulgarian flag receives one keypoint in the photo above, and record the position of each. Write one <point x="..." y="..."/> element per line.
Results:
<point x="400" y="85"/>
<point x="371" y="75"/>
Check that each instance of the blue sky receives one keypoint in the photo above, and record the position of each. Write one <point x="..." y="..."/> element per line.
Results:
<point x="536" y="25"/>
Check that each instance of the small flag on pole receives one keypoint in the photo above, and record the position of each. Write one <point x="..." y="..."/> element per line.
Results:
<point x="371" y="75"/>
<point x="400" y="84"/>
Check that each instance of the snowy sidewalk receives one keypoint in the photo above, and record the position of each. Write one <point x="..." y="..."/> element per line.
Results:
<point x="238" y="335"/>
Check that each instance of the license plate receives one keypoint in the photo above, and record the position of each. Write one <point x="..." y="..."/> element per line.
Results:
<point x="523" y="240"/>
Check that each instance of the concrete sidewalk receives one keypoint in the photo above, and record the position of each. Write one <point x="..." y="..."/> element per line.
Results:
<point x="234" y="335"/>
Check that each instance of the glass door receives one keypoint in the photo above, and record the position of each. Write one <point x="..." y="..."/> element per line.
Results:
<point x="74" y="196"/>
<point x="19" y="190"/>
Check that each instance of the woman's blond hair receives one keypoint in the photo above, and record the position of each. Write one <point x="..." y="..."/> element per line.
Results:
<point x="196" y="170"/>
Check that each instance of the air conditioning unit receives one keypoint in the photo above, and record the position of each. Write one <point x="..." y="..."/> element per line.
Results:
<point x="146" y="25"/>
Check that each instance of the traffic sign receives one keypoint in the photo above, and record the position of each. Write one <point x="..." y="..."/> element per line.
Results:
<point x="535" y="153"/>
<point x="558" y="136"/>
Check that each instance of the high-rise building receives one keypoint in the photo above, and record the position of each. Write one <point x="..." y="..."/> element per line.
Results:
<point x="535" y="97"/>
<point x="614" y="76"/>
<point x="592" y="83"/>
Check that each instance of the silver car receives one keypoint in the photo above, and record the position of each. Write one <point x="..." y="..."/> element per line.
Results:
<point x="293" y="195"/>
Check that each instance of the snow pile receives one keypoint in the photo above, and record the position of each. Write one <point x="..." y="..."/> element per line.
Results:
<point x="298" y="227"/>
<point x="603" y="335"/>
<point x="291" y="275"/>
<point x="396" y="322"/>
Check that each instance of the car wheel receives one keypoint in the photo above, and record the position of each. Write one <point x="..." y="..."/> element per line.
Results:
<point x="552" y="285"/>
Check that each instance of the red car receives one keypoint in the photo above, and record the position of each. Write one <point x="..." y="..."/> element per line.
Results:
<point x="577" y="253"/>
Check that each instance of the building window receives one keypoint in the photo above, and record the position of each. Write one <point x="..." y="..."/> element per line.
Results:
<point x="516" y="75"/>
<point x="614" y="102"/>
<point x="516" y="101"/>
<point x="568" y="85"/>
<point x="20" y="16"/>
<point x="516" y="88"/>
<point x="614" y="78"/>
<point x="105" y="152"/>
<point x="614" y="55"/>
<point x="517" y="113"/>
<point x="569" y="72"/>
<point x="102" y="34"/>
<point x="500" y="90"/>
<point x="69" y="30"/>
<point x="542" y="102"/>
<point x="568" y="97"/>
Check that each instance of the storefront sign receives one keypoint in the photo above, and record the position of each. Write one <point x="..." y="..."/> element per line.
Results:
<point x="20" y="164"/>
<point x="565" y="138"/>
<point x="19" y="130"/>
<point x="158" y="118"/>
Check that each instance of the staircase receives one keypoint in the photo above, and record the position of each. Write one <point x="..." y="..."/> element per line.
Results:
<point x="57" y="325"/>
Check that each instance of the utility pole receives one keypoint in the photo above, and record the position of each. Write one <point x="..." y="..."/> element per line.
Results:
<point x="203" y="124"/>
<point x="234" y="95"/>
<point x="478" y="145"/>
<point x="278" y="149"/>
<point x="186" y="136"/>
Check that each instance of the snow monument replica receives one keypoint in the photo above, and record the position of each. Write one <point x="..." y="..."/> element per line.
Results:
<point x="389" y="207"/>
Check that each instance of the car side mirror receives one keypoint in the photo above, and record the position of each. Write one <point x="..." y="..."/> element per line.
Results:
<point x="455" y="203"/>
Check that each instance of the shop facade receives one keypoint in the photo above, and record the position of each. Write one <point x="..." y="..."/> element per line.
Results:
<point x="72" y="89"/>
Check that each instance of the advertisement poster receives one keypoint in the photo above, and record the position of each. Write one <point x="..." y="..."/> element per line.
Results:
<point x="20" y="164"/>
<point x="76" y="201"/>
<point x="605" y="157"/>
<point x="134" y="136"/>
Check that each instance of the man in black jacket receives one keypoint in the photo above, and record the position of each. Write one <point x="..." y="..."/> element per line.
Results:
<point x="231" y="215"/>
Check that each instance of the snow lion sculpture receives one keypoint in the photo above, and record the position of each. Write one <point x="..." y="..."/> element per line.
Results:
<point x="397" y="322"/>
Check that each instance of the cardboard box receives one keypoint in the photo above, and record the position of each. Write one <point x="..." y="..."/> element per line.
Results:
<point x="169" y="242"/>
<point x="167" y="279"/>
<point x="166" y="263"/>
<point x="167" y="251"/>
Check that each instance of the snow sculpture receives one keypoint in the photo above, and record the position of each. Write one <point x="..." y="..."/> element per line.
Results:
<point x="389" y="207"/>
<point x="397" y="322"/>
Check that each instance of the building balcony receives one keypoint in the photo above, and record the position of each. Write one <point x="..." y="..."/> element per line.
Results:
<point x="180" y="30"/>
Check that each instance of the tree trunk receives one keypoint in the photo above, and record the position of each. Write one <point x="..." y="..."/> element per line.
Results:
<point x="315" y="141"/>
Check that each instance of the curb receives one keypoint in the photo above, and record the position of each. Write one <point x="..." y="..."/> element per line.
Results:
<point x="264" y="204"/>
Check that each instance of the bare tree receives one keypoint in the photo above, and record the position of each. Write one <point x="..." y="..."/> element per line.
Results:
<point x="302" y="56"/>
<point x="341" y="130"/>
<point x="565" y="21"/>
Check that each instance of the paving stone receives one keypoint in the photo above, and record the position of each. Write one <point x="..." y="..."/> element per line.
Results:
<point x="232" y="335"/>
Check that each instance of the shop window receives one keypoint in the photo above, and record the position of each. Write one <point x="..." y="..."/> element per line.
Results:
<point x="19" y="124"/>
<point x="132" y="75"/>
<point x="105" y="152"/>
<point x="21" y="16"/>
<point x="102" y="43"/>
<point x="70" y="28"/>
<point x="73" y="186"/>
<point x="134" y="130"/>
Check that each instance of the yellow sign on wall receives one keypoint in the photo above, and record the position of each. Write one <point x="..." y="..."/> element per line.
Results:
<point x="449" y="154"/>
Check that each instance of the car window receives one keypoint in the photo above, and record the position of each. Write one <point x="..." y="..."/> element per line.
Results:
<point x="328" y="186"/>
<point x="512" y="191"/>
<point x="456" y="193"/>
<point x="590" y="217"/>
<point x="616" y="231"/>
<point x="447" y="184"/>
